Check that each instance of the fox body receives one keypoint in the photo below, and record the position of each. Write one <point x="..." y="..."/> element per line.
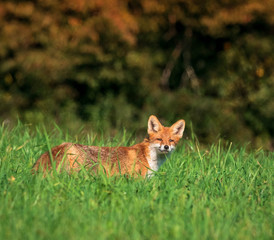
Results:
<point x="142" y="159"/>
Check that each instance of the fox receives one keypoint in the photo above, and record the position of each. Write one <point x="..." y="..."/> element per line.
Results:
<point x="143" y="159"/>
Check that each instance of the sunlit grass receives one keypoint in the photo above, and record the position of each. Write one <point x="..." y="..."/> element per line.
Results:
<point x="218" y="192"/>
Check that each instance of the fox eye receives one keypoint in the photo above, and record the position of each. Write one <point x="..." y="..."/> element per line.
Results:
<point x="159" y="139"/>
<point x="171" y="140"/>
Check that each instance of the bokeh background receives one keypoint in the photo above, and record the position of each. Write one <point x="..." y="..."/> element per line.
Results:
<point x="109" y="64"/>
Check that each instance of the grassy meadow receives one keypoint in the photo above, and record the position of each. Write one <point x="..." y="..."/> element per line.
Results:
<point x="220" y="191"/>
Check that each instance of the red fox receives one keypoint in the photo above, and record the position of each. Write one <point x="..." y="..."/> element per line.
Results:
<point x="142" y="159"/>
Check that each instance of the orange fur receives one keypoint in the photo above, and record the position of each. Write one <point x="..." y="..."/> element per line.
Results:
<point x="138" y="159"/>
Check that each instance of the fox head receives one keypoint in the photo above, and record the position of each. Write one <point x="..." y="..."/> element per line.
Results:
<point x="164" y="139"/>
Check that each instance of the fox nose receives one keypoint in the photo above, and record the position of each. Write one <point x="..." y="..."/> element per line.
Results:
<point x="166" y="147"/>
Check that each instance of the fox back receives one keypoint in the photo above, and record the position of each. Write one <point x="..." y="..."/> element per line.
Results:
<point x="140" y="159"/>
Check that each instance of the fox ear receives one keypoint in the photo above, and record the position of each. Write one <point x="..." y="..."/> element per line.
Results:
<point x="178" y="128"/>
<point x="154" y="125"/>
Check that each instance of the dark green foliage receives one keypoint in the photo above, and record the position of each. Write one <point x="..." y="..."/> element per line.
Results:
<point x="113" y="63"/>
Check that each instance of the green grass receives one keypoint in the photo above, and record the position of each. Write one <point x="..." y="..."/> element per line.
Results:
<point x="220" y="192"/>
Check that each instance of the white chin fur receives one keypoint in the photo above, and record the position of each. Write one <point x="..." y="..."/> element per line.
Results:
<point x="161" y="148"/>
<point x="157" y="157"/>
<point x="163" y="152"/>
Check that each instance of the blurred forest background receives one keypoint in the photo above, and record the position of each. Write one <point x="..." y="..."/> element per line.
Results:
<point x="112" y="63"/>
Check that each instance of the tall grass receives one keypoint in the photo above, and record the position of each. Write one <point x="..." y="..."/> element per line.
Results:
<point x="218" y="192"/>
